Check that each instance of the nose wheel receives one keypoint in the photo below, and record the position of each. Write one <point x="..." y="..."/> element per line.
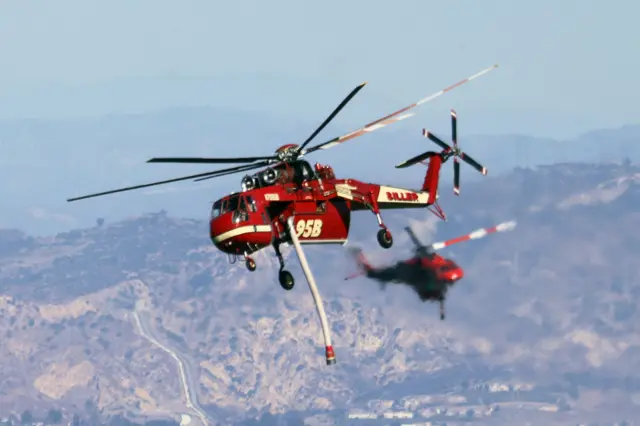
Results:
<point x="250" y="264"/>
<point x="286" y="280"/>
<point x="384" y="238"/>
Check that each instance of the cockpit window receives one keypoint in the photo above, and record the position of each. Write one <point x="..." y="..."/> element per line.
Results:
<point x="216" y="209"/>
<point x="447" y="268"/>
<point x="232" y="204"/>
<point x="235" y="203"/>
<point x="224" y="206"/>
<point x="251" y="204"/>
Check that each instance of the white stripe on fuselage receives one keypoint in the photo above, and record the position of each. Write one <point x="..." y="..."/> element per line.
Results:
<point x="327" y="241"/>
<point x="241" y="231"/>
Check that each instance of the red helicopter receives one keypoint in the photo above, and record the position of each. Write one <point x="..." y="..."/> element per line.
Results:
<point x="428" y="273"/>
<point x="245" y="222"/>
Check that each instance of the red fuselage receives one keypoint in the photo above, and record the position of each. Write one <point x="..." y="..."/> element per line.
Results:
<point x="444" y="269"/>
<point x="245" y="222"/>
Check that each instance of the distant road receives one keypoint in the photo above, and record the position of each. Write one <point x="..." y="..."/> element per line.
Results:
<point x="185" y="378"/>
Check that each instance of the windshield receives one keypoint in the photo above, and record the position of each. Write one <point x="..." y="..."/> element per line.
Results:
<point x="250" y="203"/>
<point x="216" y="209"/>
<point x="225" y="206"/>
<point x="231" y="204"/>
<point x="448" y="267"/>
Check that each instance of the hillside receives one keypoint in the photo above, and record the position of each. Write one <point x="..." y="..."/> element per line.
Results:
<point x="544" y="325"/>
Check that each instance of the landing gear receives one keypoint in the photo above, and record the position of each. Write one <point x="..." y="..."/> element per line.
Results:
<point x="286" y="279"/>
<point x="385" y="239"/>
<point x="250" y="264"/>
<point x="442" y="309"/>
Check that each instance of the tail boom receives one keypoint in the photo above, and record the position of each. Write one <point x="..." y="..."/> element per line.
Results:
<point x="390" y="197"/>
<point x="432" y="177"/>
<point x="361" y="261"/>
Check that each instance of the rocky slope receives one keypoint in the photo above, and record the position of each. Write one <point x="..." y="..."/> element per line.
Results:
<point x="553" y="303"/>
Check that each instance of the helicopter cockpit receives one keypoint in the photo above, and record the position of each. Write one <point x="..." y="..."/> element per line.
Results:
<point x="238" y="204"/>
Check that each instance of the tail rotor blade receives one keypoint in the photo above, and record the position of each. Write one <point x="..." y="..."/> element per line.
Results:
<point x="454" y="129"/>
<point x="436" y="140"/>
<point x="456" y="176"/>
<point x="473" y="163"/>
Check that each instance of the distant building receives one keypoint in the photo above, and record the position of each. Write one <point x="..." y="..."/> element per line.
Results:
<point x="498" y="387"/>
<point x="362" y="415"/>
<point x="549" y="408"/>
<point x="398" y="415"/>
<point x="380" y="404"/>
<point x="523" y="387"/>
<point x="456" y="399"/>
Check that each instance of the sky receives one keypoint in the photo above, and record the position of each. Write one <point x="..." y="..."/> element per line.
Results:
<point x="565" y="67"/>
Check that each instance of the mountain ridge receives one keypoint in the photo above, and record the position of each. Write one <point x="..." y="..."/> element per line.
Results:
<point x="109" y="152"/>
<point x="564" y="283"/>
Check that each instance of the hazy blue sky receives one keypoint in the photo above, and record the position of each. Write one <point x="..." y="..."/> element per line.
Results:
<point x="566" y="66"/>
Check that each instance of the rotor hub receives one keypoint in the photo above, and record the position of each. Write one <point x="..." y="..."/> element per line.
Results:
<point x="287" y="153"/>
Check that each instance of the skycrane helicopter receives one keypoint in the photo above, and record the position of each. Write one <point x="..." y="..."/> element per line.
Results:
<point x="245" y="222"/>
<point x="290" y="201"/>
<point x="427" y="273"/>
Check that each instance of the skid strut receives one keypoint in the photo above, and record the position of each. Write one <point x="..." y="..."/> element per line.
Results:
<point x="326" y="331"/>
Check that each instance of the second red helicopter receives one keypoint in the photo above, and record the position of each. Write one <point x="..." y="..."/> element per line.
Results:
<point x="428" y="273"/>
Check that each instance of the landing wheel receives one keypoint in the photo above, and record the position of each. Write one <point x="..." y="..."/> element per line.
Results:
<point x="384" y="238"/>
<point x="442" y="317"/>
<point x="251" y="264"/>
<point x="286" y="280"/>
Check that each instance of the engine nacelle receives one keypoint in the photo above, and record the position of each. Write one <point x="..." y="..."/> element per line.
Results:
<point x="248" y="183"/>
<point x="269" y="176"/>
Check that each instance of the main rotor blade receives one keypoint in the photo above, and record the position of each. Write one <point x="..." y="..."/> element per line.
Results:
<point x="417" y="159"/>
<point x="393" y="117"/>
<point x="413" y="237"/>
<point x="197" y="160"/>
<point x="238" y="170"/>
<point x="473" y="163"/>
<point x="477" y="234"/>
<point x="130" y="188"/>
<point x="335" y="112"/>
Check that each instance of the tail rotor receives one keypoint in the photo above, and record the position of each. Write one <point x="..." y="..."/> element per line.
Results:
<point x="446" y="153"/>
<point x="455" y="152"/>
